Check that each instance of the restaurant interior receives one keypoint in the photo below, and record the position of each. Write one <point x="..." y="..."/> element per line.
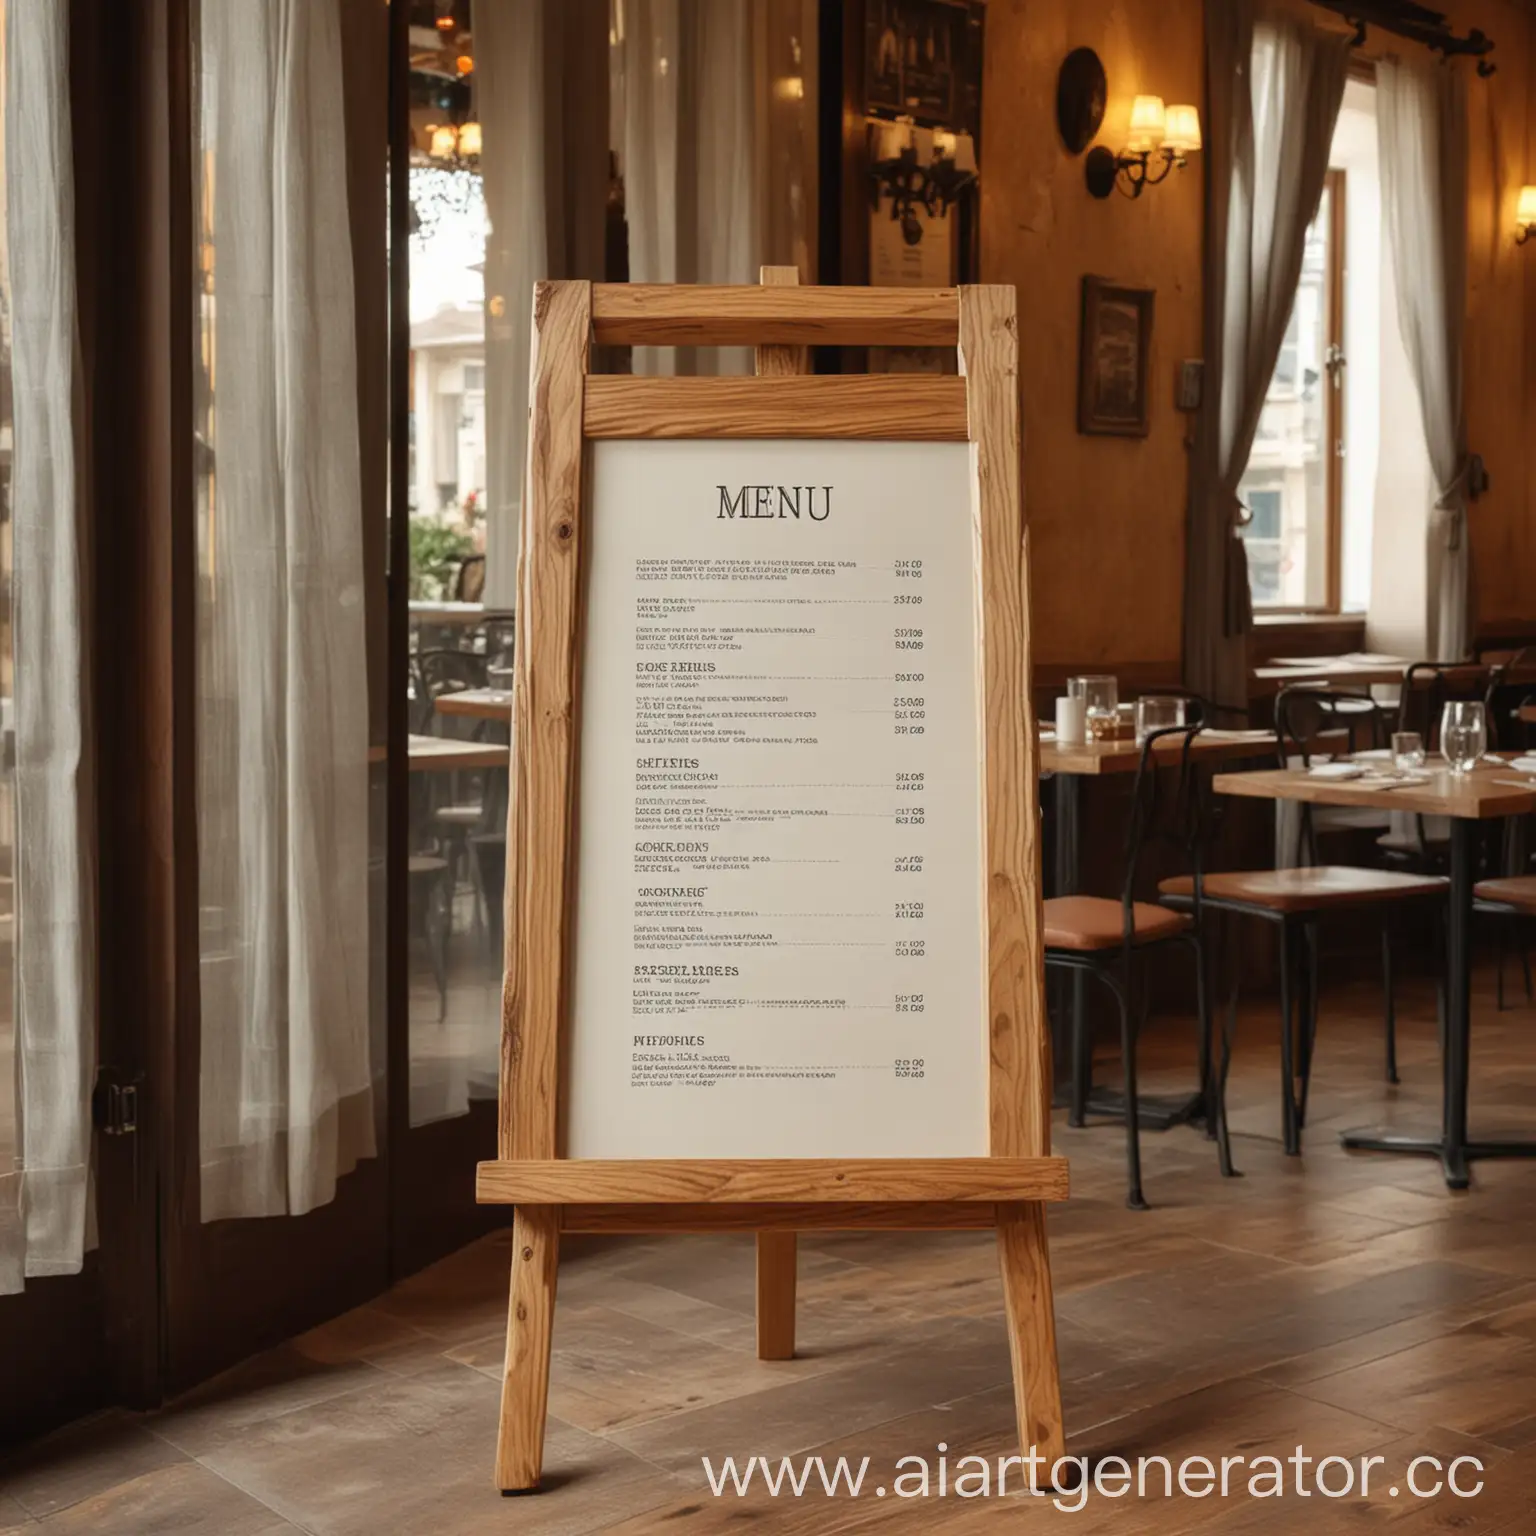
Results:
<point x="266" y="312"/>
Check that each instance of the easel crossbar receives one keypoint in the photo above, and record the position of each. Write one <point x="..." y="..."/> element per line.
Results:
<point x="875" y="407"/>
<point x="573" y="1181"/>
<point x="645" y="314"/>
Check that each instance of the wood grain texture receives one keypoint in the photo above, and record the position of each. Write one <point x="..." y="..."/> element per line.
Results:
<point x="640" y="314"/>
<point x="1485" y="794"/>
<point x="776" y="360"/>
<point x="1031" y="1310"/>
<point x="530" y="1322"/>
<point x="545" y="712"/>
<point x="778" y="1252"/>
<point x="777" y="1257"/>
<point x="806" y="1216"/>
<point x="568" y="1181"/>
<point x="1019" y="1040"/>
<point x="882" y="407"/>
<point x="1100" y="757"/>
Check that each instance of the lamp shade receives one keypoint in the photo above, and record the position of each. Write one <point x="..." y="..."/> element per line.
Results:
<point x="445" y="141"/>
<point x="1525" y="209"/>
<point x="469" y="139"/>
<point x="1181" y="130"/>
<point x="1148" y="120"/>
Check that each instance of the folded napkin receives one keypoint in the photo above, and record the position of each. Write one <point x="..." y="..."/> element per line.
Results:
<point x="1525" y="764"/>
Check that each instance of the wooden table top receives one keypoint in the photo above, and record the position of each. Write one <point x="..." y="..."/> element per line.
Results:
<point x="1527" y="713"/>
<point x="1386" y="671"/>
<point x="441" y="754"/>
<point x="1488" y="792"/>
<point x="479" y="703"/>
<point x="422" y="611"/>
<point x="1098" y="757"/>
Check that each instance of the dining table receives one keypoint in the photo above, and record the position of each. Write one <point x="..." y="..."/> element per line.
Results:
<point x="1491" y="792"/>
<point x="443" y="754"/>
<point x="477" y="704"/>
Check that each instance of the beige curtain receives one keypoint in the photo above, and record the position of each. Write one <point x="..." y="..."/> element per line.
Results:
<point x="287" y="1082"/>
<point x="48" y="1043"/>
<point x="541" y="98"/>
<point x="1274" y="86"/>
<point x="1422" y="120"/>
<point x="713" y="149"/>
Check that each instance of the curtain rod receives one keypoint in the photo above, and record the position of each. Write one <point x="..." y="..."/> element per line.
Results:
<point x="1417" y="23"/>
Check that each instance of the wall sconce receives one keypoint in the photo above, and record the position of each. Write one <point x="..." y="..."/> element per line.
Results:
<point x="916" y="168"/>
<point x="1159" y="140"/>
<point x="1525" y="215"/>
<point x="455" y="148"/>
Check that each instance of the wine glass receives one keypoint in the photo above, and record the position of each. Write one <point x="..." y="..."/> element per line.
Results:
<point x="1463" y="734"/>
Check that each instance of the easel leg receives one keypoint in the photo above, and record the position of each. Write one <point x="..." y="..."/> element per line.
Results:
<point x="530" y="1322"/>
<point x="1031" y="1311"/>
<point x="776" y="1295"/>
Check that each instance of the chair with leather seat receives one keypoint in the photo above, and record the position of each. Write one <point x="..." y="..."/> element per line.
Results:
<point x="1296" y="900"/>
<point x="1108" y="937"/>
<point x="1512" y="898"/>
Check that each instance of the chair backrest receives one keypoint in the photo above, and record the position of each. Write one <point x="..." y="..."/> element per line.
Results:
<point x="450" y="672"/>
<point x="1303" y="715"/>
<point x="1507" y="691"/>
<point x="1427" y="687"/>
<point x="1162" y="813"/>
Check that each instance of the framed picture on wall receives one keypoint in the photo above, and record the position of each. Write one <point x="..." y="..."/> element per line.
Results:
<point x="1112" y="362"/>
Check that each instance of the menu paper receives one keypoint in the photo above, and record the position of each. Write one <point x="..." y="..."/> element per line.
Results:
<point x="780" y="934"/>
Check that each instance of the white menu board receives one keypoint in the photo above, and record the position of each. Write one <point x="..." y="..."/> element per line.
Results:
<point x="780" y="934"/>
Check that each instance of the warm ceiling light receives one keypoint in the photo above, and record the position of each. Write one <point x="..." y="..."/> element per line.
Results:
<point x="1148" y="124"/>
<point x="1181" y="130"/>
<point x="445" y="23"/>
<point x="1525" y="215"/>
<point x="469" y="139"/>
<point x="465" y="63"/>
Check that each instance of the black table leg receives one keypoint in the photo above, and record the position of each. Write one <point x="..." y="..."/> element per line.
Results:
<point x="1451" y="1146"/>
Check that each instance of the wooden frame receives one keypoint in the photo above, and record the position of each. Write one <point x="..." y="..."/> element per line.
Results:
<point x="1006" y="1190"/>
<point x="1092" y="417"/>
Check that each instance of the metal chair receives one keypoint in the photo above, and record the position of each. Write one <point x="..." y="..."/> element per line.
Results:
<point x="1295" y="900"/>
<point x="1105" y="937"/>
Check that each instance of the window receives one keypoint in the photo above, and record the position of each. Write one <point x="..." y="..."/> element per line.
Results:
<point x="1292" y="486"/>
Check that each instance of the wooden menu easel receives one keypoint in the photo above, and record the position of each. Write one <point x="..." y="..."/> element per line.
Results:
<point x="1006" y="1190"/>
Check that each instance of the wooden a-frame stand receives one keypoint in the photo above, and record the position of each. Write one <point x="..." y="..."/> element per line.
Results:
<point x="1006" y="1190"/>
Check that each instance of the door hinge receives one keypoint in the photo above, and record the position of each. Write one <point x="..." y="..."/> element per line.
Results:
<point x="115" y="1103"/>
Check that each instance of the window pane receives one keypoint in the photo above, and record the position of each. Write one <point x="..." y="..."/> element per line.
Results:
<point x="1286" y="484"/>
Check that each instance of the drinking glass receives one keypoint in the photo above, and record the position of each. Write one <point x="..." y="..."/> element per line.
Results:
<point x="1101" y="700"/>
<point x="1463" y="734"/>
<point x="1407" y="751"/>
<point x="1157" y="712"/>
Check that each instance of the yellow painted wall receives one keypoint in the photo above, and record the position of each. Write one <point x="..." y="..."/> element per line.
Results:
<point x="1107" y="515"/>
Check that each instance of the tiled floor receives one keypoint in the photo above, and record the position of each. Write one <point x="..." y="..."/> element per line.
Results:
<point x="1347" y="1303"/>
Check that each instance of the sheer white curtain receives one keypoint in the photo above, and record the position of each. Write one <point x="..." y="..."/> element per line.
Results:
<point x="283" y="727"/>
<point x="694" y="154"/>
<point x="541" y="98"/>
<point x="47" y="1060"/>
<point x="1422" y="115"/>
<point x="1274" y="86"/>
